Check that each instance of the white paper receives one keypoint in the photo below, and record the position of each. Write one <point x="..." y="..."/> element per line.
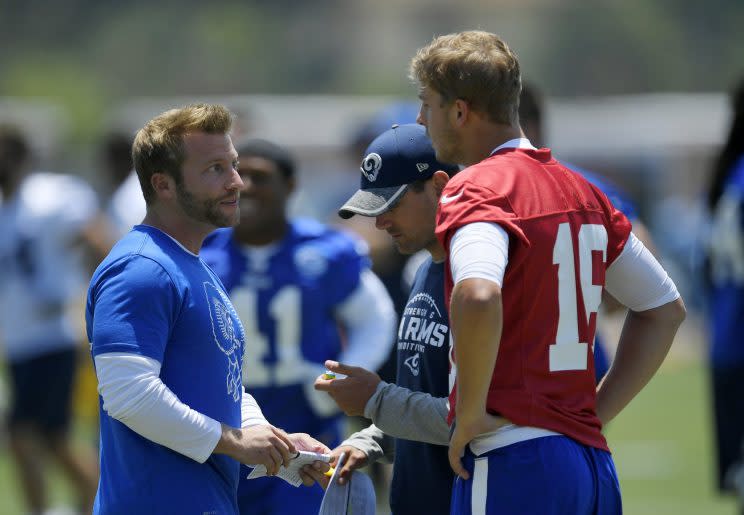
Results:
<point x="291" y="474"/>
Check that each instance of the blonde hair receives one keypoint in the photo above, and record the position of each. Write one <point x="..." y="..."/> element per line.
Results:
<point x="475" y="66"/>
<point x="158" y="146"/>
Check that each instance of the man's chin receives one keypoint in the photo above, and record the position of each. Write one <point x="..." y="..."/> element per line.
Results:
<point x="221" y="221"/>
<point x="403" y="249"/>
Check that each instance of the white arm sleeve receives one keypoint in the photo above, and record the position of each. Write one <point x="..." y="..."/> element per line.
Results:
<point x="637" y="280"/>
<point x="479" y="250"/>
<point x="369" y="317"/>
<point x="250" y="411"/>
<point x="134" y="394"/>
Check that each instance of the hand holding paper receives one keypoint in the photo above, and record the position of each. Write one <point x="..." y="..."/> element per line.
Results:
<point x="291" y="473"/>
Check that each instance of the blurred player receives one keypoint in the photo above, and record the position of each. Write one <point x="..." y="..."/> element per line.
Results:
<point x="126" y="207"/>
<point x="304" y="293"/>
<point x="726" y="203"/>
<point x="43" y="219"/>
<point x="530" y="246"/>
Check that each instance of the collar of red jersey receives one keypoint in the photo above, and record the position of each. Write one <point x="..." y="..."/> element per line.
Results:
<point x="523" y="143"/>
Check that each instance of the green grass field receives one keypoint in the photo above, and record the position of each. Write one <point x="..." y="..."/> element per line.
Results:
<point x="661" y="444"/>
<point x="663" y="448"/>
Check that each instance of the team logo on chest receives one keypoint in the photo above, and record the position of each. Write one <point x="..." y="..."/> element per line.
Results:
<point x="412" y="363"/>
<point x="423" y="328"/>
<point x="228" y="335"/>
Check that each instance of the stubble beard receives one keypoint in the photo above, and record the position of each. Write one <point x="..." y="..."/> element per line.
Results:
<point x="207" y="211"/>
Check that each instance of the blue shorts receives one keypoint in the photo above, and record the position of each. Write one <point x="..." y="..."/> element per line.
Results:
<point x="42" y="391"/>
<point x="552" y="475"/>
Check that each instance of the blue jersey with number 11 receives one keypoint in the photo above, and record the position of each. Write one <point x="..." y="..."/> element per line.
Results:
<point x="285" y="296"/>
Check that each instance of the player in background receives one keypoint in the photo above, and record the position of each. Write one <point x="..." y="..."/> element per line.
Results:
<point x="304" y="293"/>
<point x="726" y="271"/>
<point x="44" y="219"/>
<point x="530" y="246"/>
<point x="126" y="206"/>
<point x="531" y="107"/>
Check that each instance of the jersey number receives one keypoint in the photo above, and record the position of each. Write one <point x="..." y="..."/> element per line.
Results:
<point x="286" y="313"/>
<point x="568" y="352"/>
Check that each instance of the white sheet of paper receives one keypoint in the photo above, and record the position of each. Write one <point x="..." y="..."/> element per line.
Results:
<point x="291" y="474"/>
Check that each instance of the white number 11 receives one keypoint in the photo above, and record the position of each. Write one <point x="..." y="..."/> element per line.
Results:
<point x="568" y="353"/>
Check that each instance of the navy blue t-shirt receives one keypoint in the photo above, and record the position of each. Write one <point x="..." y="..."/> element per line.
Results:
<point x="422" y="477"/>
<point x="152" y="297"/>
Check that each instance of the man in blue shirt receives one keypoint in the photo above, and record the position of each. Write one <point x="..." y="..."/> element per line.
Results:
<point x="400" y="185"/>
<point x="305" y="293"/>
<point x="726" y="304"/>
<point x="166" y="341"/>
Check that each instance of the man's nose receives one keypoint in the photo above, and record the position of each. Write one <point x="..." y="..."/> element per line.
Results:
<point x="382" y="221"/>
<point x="236" y="182"/>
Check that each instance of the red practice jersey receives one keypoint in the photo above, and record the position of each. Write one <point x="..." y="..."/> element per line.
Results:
<point x="563" y="234"/>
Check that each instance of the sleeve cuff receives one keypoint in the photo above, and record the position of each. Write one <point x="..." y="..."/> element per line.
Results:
<point x="374" y="401"/>
<point x="211" y="439"/>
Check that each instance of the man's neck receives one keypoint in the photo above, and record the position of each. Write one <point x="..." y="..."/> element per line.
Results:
<point x="486" y="137"/>
<point x="437" y="251"/>
<point x="189" y="233"/>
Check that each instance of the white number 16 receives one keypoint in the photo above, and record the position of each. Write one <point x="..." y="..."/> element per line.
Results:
<point x="568" y="353"/>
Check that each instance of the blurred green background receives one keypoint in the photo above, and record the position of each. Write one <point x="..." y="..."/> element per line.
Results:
<point x="87" y="54"/>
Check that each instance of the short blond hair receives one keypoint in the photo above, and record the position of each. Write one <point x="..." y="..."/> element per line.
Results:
<point x="158" y="146"/>
<point x="475" y="66"/>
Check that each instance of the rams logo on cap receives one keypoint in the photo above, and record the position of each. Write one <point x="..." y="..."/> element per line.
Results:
<point x="371" y="166"/>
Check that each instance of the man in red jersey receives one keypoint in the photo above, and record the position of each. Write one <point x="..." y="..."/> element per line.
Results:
<point x="530" y="247"/>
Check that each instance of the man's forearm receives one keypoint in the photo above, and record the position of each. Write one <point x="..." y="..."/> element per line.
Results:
<point x="403" y="413"/>
<point x="373" y="442"/>
<point x="644" y="343"/>
<point x="134" y="395"/>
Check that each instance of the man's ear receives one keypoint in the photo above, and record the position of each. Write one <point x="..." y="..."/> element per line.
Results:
<point x="439" y="180"/>
<point x="164" y="185"/>
<point x="461" y="111"/>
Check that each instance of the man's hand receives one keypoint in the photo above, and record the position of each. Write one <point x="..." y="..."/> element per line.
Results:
<point x="354" y="459"/>
<point x="464" y="433"/>
<point x="305" y="442"/>
<point x="352" y="392"/>
<point x="257" y="445"/>
<point x="314" y="472"/>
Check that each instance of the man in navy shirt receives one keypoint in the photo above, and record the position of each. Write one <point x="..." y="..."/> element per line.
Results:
<point x="400" y="185"/>
<point x="167" y="342"/>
